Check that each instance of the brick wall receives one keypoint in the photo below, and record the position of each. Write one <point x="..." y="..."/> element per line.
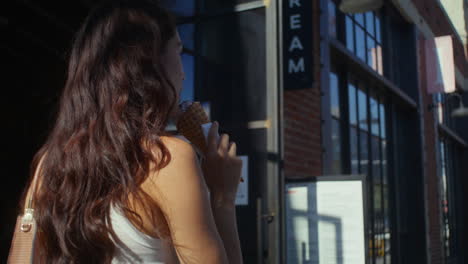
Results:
<point x="430" y="166"/>
<point x="302" y="130"/>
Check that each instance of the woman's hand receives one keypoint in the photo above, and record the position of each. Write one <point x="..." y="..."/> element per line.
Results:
<point x="221" y="168"/>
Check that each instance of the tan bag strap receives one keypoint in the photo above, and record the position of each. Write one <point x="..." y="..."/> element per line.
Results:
<point x="27" y="219"/>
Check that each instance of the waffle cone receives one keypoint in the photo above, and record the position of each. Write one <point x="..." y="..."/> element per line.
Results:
<point x="189" y="125"/>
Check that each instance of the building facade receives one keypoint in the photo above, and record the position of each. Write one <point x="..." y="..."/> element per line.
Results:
<point x="376" y="118"/>
<point x="359" y="106"/>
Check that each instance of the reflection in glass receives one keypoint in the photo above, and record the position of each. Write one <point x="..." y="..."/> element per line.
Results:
<point x="377" y="29"/>
<point x="336" y="140"/>
<point x="370" y="23"/>
<point x="371" y="53"/>
<point x="331" y="19"/>
<point x="382" y="121"/>
<point x="386" y="202"/>
<point x="188" y="87"/>
<point x="374" y="112"/>
<point x="353" y="139"/>
<point x="181" y="7"/>
<point x="186" y="32"/>
<point x="360" y="43"/>
<point x="352" y="104"/>
<point x="349" y="34"/>
<point x="362" y="35"/>
<point x="387" y="227"/>
<point x="231" y="67"/>
<point x="444" y="201"/>
<point x="379" y="59"/>
<point x="359" y="19"/>
<point x="334" y="95"/>
<point x="362" y="102"/>
<point x="377" y="182"/>
<point x="384" y="161"/>
<point x="363" y="153"/>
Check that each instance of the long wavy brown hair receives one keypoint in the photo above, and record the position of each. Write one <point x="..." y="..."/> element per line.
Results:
<point x="113" y="110"/>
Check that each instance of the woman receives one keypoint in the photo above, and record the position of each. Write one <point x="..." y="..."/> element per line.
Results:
<point x="113" y="186"/>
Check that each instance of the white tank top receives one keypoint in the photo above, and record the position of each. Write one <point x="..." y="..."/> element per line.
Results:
<point x="137" y="246"/>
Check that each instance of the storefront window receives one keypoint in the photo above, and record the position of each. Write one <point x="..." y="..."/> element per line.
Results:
<point x="365" y="125"/>
<point x="231" y="67"/>
<point x="224" y="60"/>
<point x="372" y="157"/>
<point x="360" y="43"/>
<point x="367" y="141"/>
<point x="363" y="38"/>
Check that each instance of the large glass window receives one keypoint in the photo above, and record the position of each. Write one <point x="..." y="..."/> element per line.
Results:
<point x="223" y="57"/>
<point x="365" y="30"/>
<point x="364" y="125"/>
<point x="362" y="34"/>
<point x="232" y="65"/>
<point x="370" y="158"/>
<point x="224" y="60"/>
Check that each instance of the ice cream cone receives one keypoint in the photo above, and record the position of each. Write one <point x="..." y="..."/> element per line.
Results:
<point x="190" y="125"/>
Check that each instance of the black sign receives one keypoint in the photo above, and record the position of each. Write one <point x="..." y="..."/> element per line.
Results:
<point x="297" y="44"/>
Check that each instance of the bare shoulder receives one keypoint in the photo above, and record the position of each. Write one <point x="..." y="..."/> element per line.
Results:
<point x="177" y="146"/>
<point x="182" y="169"/>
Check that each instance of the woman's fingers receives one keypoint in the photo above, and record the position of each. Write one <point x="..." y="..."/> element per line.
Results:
<point x="223" y="143"/>
<point x="220" y="143"/>
<point x="212" y="136"/>
<point x="232" y="149"/>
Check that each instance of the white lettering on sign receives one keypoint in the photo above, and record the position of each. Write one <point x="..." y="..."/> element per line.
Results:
<point x="295" y="44"/>
<point x="295" y="21"/>
<point x="293" y="67"/>
<point x="294" y="2"/>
